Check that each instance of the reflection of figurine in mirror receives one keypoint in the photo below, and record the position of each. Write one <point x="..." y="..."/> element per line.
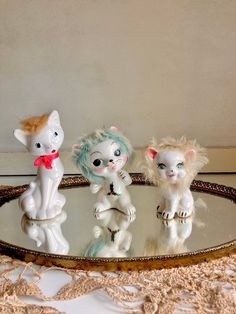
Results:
<point x="111" y="237"/>
<point x="47" y="233"/>
<point x="172" y="165"/>
<point x="171" y="237"/>
<point x="43" y="136"/>
<point x="101" y="157"/>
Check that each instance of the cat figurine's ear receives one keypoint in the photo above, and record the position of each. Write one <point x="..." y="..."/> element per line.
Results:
<point x="53" y="118"/>
<point x="76" y="148"/>
<point x="151" y="153"/>
<point x="114" y="129"/>
<point x="21" y="136"/>
<point x="190" y="154"/>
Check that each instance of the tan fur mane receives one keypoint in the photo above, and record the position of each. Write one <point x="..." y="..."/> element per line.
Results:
<point x="193" y="165"/>
<point x="33" y="125"/>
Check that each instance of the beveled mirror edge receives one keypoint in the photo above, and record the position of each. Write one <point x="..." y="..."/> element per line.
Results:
<point x="8" y="193"/>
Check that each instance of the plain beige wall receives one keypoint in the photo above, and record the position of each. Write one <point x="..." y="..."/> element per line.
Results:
<point x="150" y="67"/>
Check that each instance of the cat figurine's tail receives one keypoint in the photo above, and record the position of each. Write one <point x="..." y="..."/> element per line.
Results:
<point x="27" y="201"/>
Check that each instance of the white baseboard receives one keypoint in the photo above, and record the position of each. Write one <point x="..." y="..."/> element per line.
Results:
<point x="222" y="160"/>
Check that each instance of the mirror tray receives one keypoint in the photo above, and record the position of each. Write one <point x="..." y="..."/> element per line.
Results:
<point x="111" y="240"/>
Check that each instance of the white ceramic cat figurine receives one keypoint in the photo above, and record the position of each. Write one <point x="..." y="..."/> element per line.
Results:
<point x="47" y="233"/>
<point x="112" y="239"/>
<point x="43" y="136"/>
<point x="172" y="166"/>
<point x="101" y="157"/>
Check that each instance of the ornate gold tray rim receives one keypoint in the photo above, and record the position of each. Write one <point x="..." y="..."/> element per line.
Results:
<point x="9" y="193"/>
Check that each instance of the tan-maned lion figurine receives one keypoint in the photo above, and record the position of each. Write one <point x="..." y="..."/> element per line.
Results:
<point x="172" y="165"/>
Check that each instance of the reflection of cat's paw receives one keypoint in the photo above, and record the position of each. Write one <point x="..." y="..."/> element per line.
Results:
<point x="97" y="231"/>
<point x="167" y="214"/>
<point x="125" y="247"/>
<point x="99" y="207"/>
<point x="184" y="228"/>
<point x="131" y="218"/>
<point x="183" y="221"/>
<point x="38" y="242"/>
<point x="130" y="210"/>
<point x="168" y="223"/>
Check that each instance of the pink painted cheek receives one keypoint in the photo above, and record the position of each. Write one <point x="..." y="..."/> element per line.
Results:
<point x="181" y="174"/>
<point x="124" y="159"/>
<point x="98" y="170"/>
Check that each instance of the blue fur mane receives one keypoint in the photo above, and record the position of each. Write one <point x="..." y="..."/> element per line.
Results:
<point x="81" y="155"/>
<point x="94" y="247"/>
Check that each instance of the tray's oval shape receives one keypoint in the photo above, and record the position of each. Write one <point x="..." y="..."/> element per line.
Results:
<point x="153" y="243"/>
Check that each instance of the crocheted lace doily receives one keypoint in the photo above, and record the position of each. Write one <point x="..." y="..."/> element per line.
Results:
<point x="208" y="287"/>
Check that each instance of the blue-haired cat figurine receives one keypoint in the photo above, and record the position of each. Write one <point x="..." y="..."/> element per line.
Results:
<point x="101" y="156"/>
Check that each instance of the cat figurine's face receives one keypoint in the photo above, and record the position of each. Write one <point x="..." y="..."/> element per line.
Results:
<point x="107" y="158"/>
<point x="47" y="141"/>
<point x="171" y="166"/>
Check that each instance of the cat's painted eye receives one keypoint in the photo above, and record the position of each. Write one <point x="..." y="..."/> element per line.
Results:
<point x="117" y="152"/>
<point x="97" y="162"/>
<point x="180" y="165"/>
<point x="161" y="166"/>
<point x="38" y="145"/>
<point x="55" y="133"/>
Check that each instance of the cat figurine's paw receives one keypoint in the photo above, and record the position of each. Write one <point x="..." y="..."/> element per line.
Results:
<point x="125" y="177"/>
<point x="99" y="207"/>
<point x="27" y="202"/>
<point x="94" y="188"/>
<point x="130" y="209"/>
<point x="42" y="215"/>
<point x="168" y="214"/>
<point x="184" y="213"/>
